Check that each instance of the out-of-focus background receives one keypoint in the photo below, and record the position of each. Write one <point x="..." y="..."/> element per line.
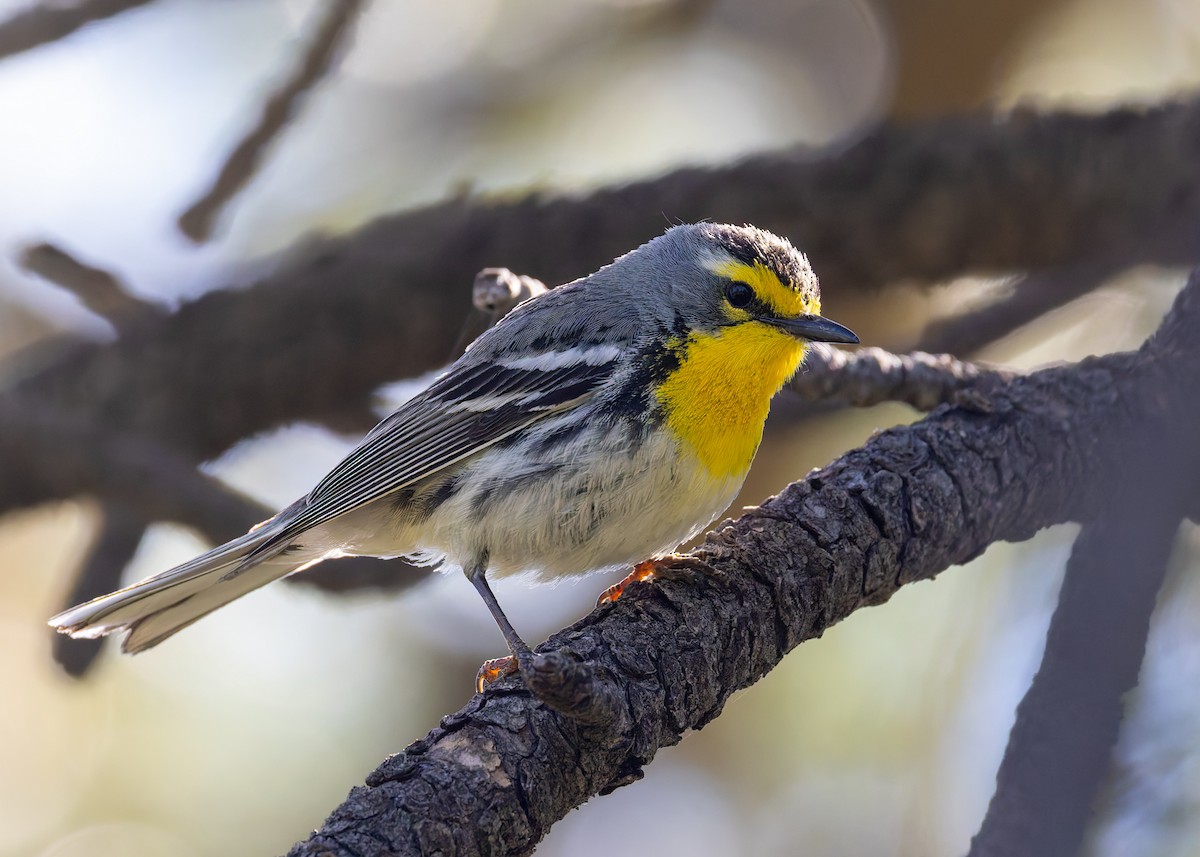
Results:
<point x="882" y="738"/>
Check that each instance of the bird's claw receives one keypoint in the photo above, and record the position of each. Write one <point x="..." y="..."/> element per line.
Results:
<point x="642" y="572"/>
<point x="494" y="670"/>
<point x="666" y="567"/>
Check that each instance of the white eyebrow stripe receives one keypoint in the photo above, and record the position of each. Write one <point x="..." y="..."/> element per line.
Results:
<point x="593" y="355"/>
<point x="714" y="259"/>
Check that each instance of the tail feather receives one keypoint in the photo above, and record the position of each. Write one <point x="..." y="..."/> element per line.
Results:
<point x="152" y="628"/>
<point x="157" y="607"/>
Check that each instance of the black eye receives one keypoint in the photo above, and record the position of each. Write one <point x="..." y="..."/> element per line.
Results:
<point x="739" y="294"/>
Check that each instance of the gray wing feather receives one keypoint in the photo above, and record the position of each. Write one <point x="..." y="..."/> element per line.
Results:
<point x="464" y="412"/>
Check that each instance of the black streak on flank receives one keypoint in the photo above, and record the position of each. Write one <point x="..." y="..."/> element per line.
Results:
<point x="561" y="436"/>
<point x="497" y="489"/>
<point x="441" y="492"/>
<point x="402" y="500"/>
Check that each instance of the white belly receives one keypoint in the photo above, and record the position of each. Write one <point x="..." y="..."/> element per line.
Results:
<point x="570" y="514"/>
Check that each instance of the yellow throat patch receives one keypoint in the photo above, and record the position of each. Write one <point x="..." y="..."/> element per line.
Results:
<point x="717" y="400"/>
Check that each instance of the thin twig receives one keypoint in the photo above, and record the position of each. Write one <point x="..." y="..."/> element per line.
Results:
<point x="870" y="376"/>
<point x="43" y="23"/>
<point x="1039" y="292"/>
<point x="245" y="160"/>
<point x="98" y="289"/>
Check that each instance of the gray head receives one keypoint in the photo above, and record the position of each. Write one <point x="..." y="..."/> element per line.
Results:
<point x="694" y="278"/>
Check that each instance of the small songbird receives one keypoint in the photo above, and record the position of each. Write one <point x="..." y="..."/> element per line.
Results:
<point x="598" y="425"/>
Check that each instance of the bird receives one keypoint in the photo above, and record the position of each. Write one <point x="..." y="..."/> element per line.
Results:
<point x="599" y="425"/>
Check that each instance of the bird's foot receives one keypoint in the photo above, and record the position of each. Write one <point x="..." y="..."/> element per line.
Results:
<point x="494" y="670"/>
<point x="641" y="573"/>
<point x="647" y="570"/>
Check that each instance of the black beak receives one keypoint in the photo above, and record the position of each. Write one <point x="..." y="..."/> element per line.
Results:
<point x="815" y="329"/>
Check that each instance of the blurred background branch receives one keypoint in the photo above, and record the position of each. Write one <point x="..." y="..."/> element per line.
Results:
<point x="97" y="289"/>
<point x="1059" y="754"/>
<point x="278" y="112"/>
<point x="1060" y="751"/>
<point x="396" y="287"/>
<point x="45" y="22"/>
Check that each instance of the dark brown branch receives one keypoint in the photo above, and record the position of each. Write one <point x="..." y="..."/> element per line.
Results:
<point x="1059" y="751"/>
<point x="245" y="160"/>
<point x="47" y="22"/>
<point x="1039" y="292"/>
<point x="99" y="290"/>
<point x="1031" y="298"/>
<point x="79" y="457"/>
<point x="494" y="777"/>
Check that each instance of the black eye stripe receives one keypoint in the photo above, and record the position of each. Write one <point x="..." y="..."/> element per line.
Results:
<point x="747" y="299"/>
<point x="739" y="294"/>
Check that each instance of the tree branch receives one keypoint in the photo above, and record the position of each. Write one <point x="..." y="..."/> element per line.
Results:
<point x="870" y="376"/>
<point x="48" y="455"/>
<point x="1066" y="726"/>
<point x="99" y="290"/>
<point x="73" y="457"/>
<point x="44" y="23"/>
<point x="494" y="777"/>
<point x="1039" y="292"/>
<point x="244" y="162"/>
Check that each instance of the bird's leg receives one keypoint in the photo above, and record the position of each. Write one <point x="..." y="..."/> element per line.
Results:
<point x="663" y="566"/>
<point x="496" y="668"/>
